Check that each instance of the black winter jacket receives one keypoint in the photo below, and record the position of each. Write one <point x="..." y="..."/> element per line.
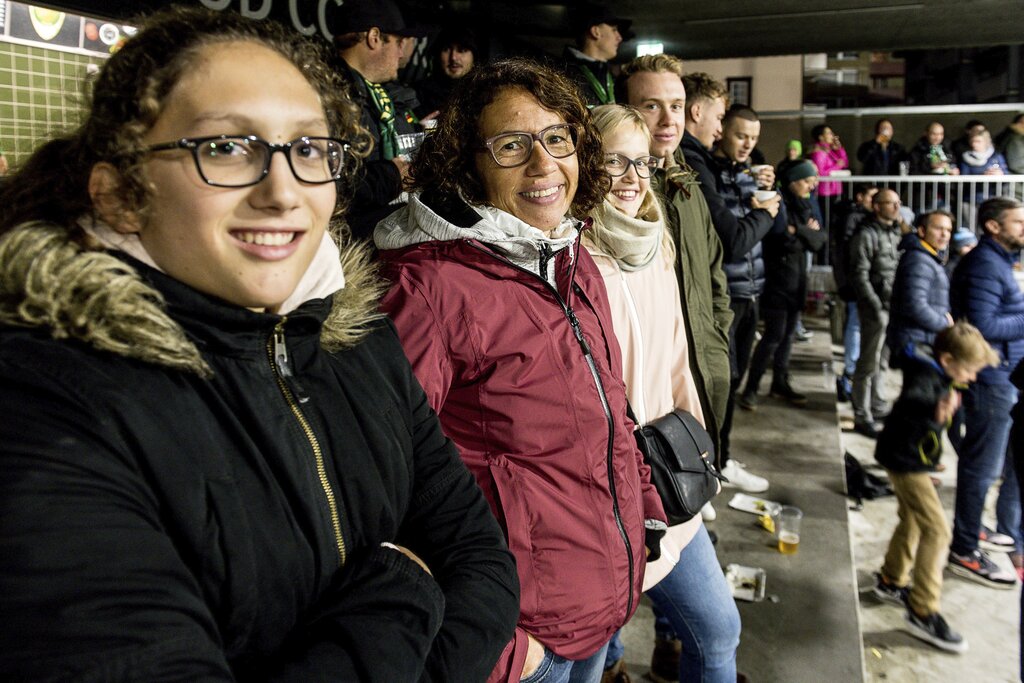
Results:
<point x="157" y="525"/>
<point x="878" y="161"/>
<point x="920" y="298"/>
<point x="378" y="182"/>
<point x="740" y="228"/>
<point x="785" y="256"/>
<point x="911" y="440"/>
<point x="848" y="216"/>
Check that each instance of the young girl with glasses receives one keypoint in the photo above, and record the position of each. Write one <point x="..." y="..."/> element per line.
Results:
<point x="215" y="461"/>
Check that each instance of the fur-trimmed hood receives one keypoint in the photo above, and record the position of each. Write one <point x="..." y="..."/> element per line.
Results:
<point x="48" y="279"/>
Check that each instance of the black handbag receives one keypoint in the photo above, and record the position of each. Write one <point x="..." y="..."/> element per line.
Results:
<point x="681" y="456"/>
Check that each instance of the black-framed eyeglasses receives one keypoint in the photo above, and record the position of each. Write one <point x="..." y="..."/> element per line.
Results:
<point x="618" y="165"/>
<point x="515" y="148"/>
<point x="243" y="160"/>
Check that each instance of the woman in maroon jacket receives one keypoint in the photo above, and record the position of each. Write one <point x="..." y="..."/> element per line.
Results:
<point x="506" y="321"/>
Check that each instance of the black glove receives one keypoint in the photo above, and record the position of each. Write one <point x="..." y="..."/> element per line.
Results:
<point x="654" y="531"/>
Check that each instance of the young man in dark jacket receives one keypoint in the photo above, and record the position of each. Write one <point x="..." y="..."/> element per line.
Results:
<point x="598" y="36"/>
<point x="985" y="292"/>
<point x="785" y="253"/>
<point x="368" y="41"/>
<point x="909" y="448"/>
<point x="920" y="294"/>
<point x="740" y="220"/>
<point x="881" y="155"/>
<point x="849" y="214"/>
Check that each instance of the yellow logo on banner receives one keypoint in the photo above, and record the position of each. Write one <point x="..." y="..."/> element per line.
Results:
<point x="46" y="22"/>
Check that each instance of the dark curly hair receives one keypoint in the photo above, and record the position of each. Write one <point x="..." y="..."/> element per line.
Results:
<point x="446" y="163"/>
<point x="127" y="98"/>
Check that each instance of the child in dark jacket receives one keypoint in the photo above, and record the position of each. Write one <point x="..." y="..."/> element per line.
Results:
<point x="909" y="447"/>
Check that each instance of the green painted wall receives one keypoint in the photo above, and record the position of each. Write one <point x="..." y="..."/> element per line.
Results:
<point x="40" y="94"/>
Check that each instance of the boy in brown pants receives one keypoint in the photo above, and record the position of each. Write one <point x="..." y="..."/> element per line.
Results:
<point x="909" y="447"/>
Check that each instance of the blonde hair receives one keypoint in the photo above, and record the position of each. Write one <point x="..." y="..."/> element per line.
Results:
<point x="653" y="64"/>
<point x="607" y="119"/>
<point x="965" y="343"/>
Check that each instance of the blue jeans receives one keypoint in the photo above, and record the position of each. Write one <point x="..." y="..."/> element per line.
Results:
<point x="851" y="339"/>
<point x="555" y="669"/>
<point x="1008" y="515"/>
<point x="982" y="453"/>
<point x="693" y="604"/>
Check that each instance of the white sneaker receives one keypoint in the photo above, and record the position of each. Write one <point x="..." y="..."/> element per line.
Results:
<point x="707" y="513"/>
<point x="739" y="478"/>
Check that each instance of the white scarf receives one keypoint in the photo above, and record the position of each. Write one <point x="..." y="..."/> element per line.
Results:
<point x="978" y="158"/>
<point x="322" y="278"/>
<point x="633" y="242"/>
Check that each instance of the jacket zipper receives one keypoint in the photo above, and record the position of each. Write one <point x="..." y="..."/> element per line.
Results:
<point x="589" y="357"/>
<point x="294" y="394"/>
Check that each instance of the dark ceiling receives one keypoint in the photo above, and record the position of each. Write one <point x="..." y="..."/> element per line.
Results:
<point x="706" y="29"/>
<point x="695" y="29"/>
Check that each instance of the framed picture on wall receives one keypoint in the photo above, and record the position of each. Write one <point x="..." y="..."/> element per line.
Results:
<point x="739" y="90"/>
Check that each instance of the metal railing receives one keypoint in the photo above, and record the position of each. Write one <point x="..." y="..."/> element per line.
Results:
<point x="960" y="195"/>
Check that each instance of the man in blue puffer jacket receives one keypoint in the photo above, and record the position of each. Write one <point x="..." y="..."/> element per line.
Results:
<point x="985" y="293"/>
<point x="920" y="294"/>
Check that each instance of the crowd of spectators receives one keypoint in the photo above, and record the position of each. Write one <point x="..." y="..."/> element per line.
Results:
<point x="371" y="406"/>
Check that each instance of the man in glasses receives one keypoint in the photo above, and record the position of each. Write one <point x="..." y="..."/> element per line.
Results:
<point x="368" y="37"/>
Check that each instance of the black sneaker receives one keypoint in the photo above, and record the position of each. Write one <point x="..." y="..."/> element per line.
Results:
<point x="868" y="429"/>
<point x="979" y="568"/>
<point x="784" y="391"/>
<point x="934" y="629"/>
<point x="993" y="541"/>
<point x="747" y="400"/>
<point x="891" y="593"/>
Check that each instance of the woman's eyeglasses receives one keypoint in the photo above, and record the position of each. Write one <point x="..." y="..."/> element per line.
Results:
<point x="514" y="149"/>
<point x="618" y="164"/>
<point x="243" y="160"/>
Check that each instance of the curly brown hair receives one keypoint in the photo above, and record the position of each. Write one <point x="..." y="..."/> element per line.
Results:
<point x="446" y="163"/>
<point x="128" y="96"/>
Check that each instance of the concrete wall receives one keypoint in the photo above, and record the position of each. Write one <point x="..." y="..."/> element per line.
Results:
<point x="776" y="82"/>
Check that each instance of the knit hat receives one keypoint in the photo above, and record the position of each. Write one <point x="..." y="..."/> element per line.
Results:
<point x="963" y="237"/>
<point x="798" y="171"/>
<point x="797" y="145"/>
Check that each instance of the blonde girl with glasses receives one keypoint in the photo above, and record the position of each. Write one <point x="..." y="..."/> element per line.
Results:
<point x="697" y="625"/>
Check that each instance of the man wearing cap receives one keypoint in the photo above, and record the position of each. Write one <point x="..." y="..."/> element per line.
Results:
<point x="368" y="38"/>
<point x="598" y="36"/>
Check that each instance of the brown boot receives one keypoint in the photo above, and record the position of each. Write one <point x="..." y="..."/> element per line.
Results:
<point x="616" y="673"/>
<point x="665" y="661"/>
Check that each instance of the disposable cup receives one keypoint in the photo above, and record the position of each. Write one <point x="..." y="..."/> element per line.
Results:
<point x="787" y="526"/>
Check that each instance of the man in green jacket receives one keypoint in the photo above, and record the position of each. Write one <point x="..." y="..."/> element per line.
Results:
<point x="653" y="84"/>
